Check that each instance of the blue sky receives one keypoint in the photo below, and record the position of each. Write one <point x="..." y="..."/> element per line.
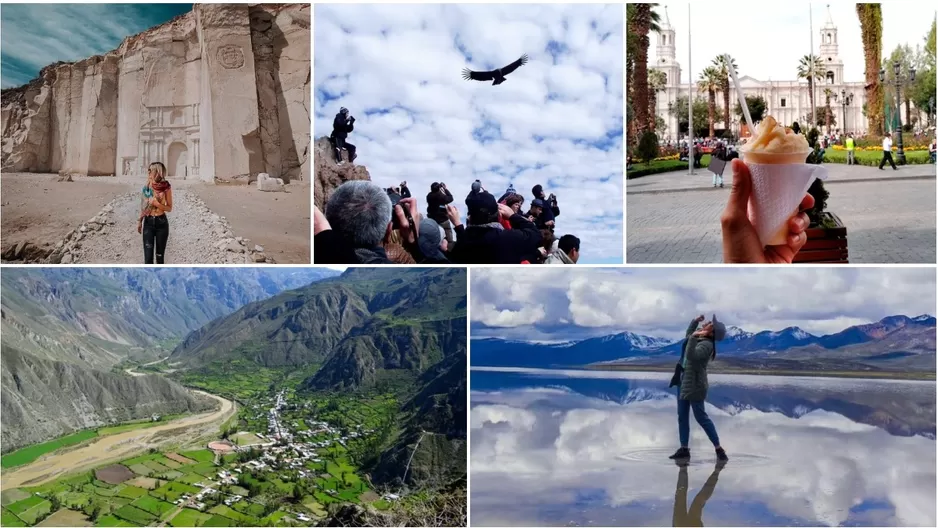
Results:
<point x="557" y="121"/>
<point x="549" y="304"/>
<point x="35" y="35"/>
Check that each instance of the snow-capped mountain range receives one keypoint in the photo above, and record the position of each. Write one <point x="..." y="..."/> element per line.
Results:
<point x="892" y="338"/>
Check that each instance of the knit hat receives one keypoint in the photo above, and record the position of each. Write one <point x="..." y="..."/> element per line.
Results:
<point x="719" y="329"/>
<point x="476" y="186"/>
<point x="482" y="207"/>
<point x="434" y="187"/>
<point x="429" y="239"/>
<point x="537" y="202"/>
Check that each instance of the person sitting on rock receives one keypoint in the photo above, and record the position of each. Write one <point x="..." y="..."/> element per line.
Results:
<point x="341" y="126"/>
<point x="357" y="224"/>
<point x="484" y="241"/>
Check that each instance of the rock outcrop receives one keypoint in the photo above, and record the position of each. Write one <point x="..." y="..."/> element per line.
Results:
<point x="221" y="92"/>
<point x="329" y="175"/>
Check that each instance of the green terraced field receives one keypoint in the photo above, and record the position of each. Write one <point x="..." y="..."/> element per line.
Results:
<point x="33" y="452"/>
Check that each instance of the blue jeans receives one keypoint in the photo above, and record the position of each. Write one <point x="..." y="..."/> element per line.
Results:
<point x="700" y="414"/>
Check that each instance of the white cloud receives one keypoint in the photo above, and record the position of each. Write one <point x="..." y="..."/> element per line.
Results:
<point x="660" y="301"/>
<point x="537" y="449"/>
<point x="780" y="34"/>
<point x="556" y="121"/>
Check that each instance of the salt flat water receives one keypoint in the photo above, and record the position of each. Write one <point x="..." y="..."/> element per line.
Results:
<point x="581" y="448"/>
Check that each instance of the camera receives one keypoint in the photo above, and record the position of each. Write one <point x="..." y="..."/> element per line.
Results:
<point x="393" y="195"/>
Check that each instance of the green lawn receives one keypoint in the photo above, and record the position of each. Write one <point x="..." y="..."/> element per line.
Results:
<point x="31" y="453"/>
<point x="189" y="517"/>
<point x="134" y="515"/>
<point x="153" y="506"/>
<point x="132" y="492"/>
<point x="32" y="515"/>
<point x="8" y="519"/>
<point x="25" y="504"/>
<point x="871" y="158"/>
<point x="110" y="520"/>
<point x="201" y="455"/>
<point x="640" y="169"/>
<point x="218" y="520"/>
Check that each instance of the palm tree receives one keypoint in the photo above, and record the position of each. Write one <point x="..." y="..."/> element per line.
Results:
<point x="805" y="72"/>
<point x="723" y="67"/>
<point x="871" y="31"/>
<point x="643" y="21"/>
<point x="827" y="108"/>
<point x="657" y="81"/>
<point x="710" y="82"/>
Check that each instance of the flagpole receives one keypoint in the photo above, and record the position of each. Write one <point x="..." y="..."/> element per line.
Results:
<point x="811" y="68"/>
<point x="690" y="101"/>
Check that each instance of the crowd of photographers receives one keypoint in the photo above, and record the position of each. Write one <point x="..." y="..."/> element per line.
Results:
<point x="365" y="224"/>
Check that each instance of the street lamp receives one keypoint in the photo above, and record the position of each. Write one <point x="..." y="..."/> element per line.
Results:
<point x="670" y="108"/>
<point x="931" y="108"/>
<point x="845" y="100"/>
<point x="897" y="70"/>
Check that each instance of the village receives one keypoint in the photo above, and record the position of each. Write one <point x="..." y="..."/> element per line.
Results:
<point x="287" y="475"/>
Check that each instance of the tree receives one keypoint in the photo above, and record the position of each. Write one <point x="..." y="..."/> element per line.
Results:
<point x="660" y="124"/>
<point x="922" y="93"/>
<point x="657" y="81"/>
<point x="906" y="57"/>
<point x="643" y="21"/>
<point x="710" y="82"/>
<point x="723" y="66"/>
<point x="701" y="107"/>
<point x="871" y="31"/>
<point x="757" y="106"/>
<point x="812" y="68"/>
<point x="828" y="116"/>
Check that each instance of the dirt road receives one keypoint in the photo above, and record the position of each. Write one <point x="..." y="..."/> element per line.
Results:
<point x="116" y="447"/>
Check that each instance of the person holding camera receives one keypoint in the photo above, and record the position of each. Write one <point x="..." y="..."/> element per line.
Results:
<point x="437" y="200"/>
<point x="549" y="210"/>
<point x="341" y="126"/>
<point x="485" y="241"/>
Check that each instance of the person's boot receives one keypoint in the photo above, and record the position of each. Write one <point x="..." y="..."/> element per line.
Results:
<point x="721" y="455"/>
<point x="682" y="453"/>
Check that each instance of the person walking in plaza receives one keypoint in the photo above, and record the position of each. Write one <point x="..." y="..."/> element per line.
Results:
<point x="851" y="147"/>
<point x="699" y="349"/>
<point x="887" y="153"/>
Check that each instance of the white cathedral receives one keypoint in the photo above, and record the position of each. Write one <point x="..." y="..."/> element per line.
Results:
<point x="787" y="101"/>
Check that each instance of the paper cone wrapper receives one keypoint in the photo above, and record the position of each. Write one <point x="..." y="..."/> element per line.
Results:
<point x="777" y="192"/>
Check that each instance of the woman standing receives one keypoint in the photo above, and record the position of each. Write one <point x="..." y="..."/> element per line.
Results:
<point x="699" y="349"/>
<point x="156" y="200"/>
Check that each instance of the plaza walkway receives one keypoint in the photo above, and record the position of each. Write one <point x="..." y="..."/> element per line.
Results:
<point x="890" y="215"/>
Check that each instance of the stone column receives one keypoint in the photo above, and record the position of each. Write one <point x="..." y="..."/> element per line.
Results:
<point x="229" y="110"/>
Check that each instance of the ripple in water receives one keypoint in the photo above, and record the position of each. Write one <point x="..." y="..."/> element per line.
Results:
<point x="699" y="457"/>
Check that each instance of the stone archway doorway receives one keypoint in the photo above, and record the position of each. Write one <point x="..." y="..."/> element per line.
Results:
<point x="177" y="160"/>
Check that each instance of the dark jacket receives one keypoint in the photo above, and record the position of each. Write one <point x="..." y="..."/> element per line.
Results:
<point x="436" y="205"/>
<point x="332" y="248"/>
<point x="489" y="245"/>
<point x="697" y="354"/>
<point x="405" y="192"/>
<point x="549" y="211"/>
<point x="341" y="126"/>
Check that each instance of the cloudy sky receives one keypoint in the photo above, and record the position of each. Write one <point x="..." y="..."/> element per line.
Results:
<point x="557" y="121"/>
<point x="774" y="55"/>
<point x="36" y="35"/>
<point x="552" y="304"/>
<point x="551" y="453"/>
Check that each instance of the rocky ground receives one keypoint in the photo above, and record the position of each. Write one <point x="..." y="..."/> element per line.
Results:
<point x="45" y="221"/>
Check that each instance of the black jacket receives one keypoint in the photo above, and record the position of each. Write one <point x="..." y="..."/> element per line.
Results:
<point x="436" y="205"/>
<point x="489" y="245"/>
<point x="332" y="248"/>
<point x="341" y="126"/>
<point x="549" y="211"/>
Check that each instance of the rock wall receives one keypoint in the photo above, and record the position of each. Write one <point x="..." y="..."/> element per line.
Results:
<point x="329" y="175"/>
<point x="222" y="92"/>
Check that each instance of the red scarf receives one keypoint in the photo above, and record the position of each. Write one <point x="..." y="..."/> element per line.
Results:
<point x="160" y="186"/>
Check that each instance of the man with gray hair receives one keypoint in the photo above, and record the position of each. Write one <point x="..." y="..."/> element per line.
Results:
<point x="699" y="350"/>
<point x="357" y="220"/>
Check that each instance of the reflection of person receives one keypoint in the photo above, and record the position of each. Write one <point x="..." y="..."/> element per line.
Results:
<point x="156" y="201"/>
<point x="699" y="350"/>
<point x="694" y="516"/>
<point x="740" y="240"/>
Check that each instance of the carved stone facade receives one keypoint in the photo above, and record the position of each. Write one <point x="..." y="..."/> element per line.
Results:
<point x="219" y="93"/>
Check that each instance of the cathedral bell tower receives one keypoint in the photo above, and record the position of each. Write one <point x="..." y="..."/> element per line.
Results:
<point x="834" y="72"/>
<point x="666" y="59"/>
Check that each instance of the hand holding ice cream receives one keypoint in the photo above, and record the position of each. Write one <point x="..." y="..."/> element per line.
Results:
<point x="779" y="178"/>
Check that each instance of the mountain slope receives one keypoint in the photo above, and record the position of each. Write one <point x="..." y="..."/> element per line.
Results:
<point x="358" y="324"/>
<point x="44" y="399"/>
<point x="893" y="343"/>
<point x="98" y="316"/>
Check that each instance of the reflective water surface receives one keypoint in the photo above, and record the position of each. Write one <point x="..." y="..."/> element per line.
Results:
<point x="590" y="448"/>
